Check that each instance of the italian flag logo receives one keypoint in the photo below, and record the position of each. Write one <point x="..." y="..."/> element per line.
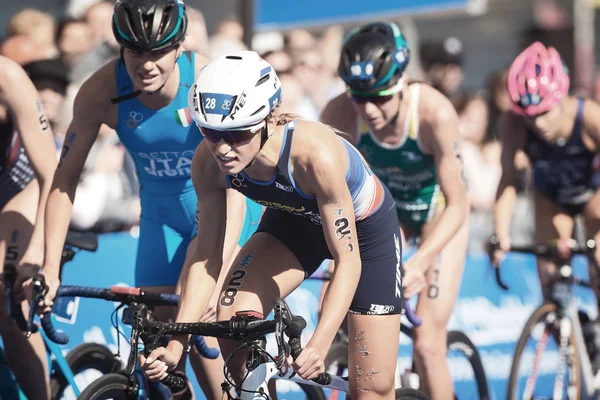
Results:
<point x="183" y="117"/>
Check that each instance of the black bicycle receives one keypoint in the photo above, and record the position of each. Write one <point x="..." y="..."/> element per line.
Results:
<point x="461" y="352"/>
<point x="552" y="343"/>
<point x="251" y="331"/>
<point x="129" y="383"/>
<point x="84" y="357"/>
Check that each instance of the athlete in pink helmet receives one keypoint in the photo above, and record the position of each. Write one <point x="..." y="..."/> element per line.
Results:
<point x="537" y="80"/>
<point x="560" y="135"/>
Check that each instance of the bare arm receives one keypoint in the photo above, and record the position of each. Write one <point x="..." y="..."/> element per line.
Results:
<point x="36" y="136"/>
<point x="443" y="139"/>
<point x="89" y="112"/>
<point x="339" y="114"/>
<point x="325" y="177"/>
<point x="511" y="137"/>
<point x="205" y="266"/>
<point x="591" y="122"/>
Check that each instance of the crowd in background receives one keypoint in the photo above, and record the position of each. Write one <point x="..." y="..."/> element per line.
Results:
<point x="60" y="55"/>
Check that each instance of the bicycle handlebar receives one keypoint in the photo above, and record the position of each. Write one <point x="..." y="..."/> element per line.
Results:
<point x="549" y="250"/>
<point x="240" y="327"/>
<point x="124" y="295"/>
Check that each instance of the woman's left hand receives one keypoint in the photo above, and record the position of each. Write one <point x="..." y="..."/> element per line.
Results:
<point x="414" y="279"/>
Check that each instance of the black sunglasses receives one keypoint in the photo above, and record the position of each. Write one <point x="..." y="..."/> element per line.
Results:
<point x="232" y="138"/>
<point x="370" y="99"/>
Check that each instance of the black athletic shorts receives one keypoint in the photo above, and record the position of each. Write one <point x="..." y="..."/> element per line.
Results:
<point x="379" y="290"/>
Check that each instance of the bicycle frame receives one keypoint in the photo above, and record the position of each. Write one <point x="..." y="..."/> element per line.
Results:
<point x="53" y="349"/>
<point x="567" y="311"/>
<point x="257" y="379"/>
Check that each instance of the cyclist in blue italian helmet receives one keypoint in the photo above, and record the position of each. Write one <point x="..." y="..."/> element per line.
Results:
<point x="143" y="96"/>
<point x="322" y="202"/>
<point x="407" y="131"/>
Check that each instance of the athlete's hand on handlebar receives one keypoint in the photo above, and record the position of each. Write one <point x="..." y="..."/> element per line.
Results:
<point x="500" y="251"/>
<point x="45" y="305"/>
<point x="414" y="279"/>
<point x="161" y="360"/>
<point x="309" y="364"/>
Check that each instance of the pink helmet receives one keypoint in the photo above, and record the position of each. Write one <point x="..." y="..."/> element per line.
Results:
<point x="537" y="80"/>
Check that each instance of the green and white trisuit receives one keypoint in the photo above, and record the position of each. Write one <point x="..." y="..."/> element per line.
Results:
<point x="405" y="169"/>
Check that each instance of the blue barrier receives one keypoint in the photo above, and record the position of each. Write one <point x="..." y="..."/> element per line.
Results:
<point x="491" y="317"/>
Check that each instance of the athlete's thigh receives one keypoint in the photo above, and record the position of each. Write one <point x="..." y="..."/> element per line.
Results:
<point x="372" y="353"/>
<point x="263" y="270"/>
<point x="437" y="299"/>
<point x="17" y="218"/>
<point x="551" y="221"/>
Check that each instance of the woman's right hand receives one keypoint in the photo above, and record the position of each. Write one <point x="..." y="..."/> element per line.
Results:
<point x="161" y="360"/>
<point x="499" y="253"/>
<point x="52" y="282"/>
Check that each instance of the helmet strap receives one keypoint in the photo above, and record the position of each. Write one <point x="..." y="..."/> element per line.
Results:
<point x="127" y="96"/>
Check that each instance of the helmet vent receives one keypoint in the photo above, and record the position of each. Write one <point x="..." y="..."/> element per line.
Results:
<point x="201" y="104"/>
<point x="257" y="111"/>
<point x="233" y="57"/>
<point x="263" y="80"/>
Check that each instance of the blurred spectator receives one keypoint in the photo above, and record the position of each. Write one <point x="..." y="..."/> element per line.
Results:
<point x="481" y="152"/>
<point x="106" y="198"/>
<point x="330" y="46"/>
<point x="264" y="42"/>
<point x="442" y="62"/>
<point x="230" y="27"/>
<point x="74" y="38"/>
<point x="50" y="78"/>
<point x="21" y="49"/>
<point x="99" y="18"/>
<point x="481" y="166"/>
<point x="220" y="44"/>
<point x="280" y="60"/>
<point x="39" y="26"/>
<point x="499" y="98"/>
<point x="196" y="38"/>
<point x="319" y="83"/>
<point x="307" y="69"/>
<point x="299" y="40"/>
<point x="228" y="37"/>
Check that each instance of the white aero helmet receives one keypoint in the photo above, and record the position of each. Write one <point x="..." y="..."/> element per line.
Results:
<point x="234" y="92"/>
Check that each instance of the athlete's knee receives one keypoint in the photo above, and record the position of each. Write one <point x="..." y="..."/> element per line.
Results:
<point x="370" y="382"/>
<point x="430" y="345"/>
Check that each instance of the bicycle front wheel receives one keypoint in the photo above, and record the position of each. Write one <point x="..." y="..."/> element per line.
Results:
<point x="466" y="367"/>
<point x="85" y="357"/>
<point x="410" y="394"/>
<point x="111" y="386"/>
<point x="542" y="367"/>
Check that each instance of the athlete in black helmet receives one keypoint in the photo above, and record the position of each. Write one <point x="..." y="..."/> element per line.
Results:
<point x="373" y="59"/>
<point x="408" y="134"/>
<point x="149" y="25"/>
<point x="143" y="96"/>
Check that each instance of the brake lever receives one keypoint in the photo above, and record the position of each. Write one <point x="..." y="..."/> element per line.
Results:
<point x="136" y="323"/>
<point x="40" y="289"/>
